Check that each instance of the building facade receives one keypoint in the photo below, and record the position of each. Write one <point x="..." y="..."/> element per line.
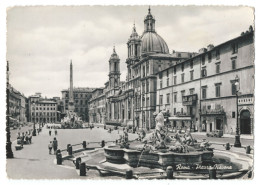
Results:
<point x="42" y="110"/>
<point x="81" y="97"/>
<point x="17" y="106"/>
<point x="97" y="106"/>
<point x="197" y="90"/>
<point x="200" y="93"/>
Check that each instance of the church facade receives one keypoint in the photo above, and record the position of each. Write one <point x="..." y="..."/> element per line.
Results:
<point x="133" y="102"/>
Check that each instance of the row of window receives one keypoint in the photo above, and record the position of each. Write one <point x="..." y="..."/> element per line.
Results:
<point x="43" y="108"/>
<point x="203" y="74"/>
<point x="79" y="95"/>
<point x="76" y="101"/>
<point x="78" y="109"/>
<point x="44" y="105"/>
<point x="204" y="93"/>
<point x="43" y="113"/>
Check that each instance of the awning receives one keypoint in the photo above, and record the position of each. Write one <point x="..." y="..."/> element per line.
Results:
<point x="187" y="118"/>
<point x="12" y="119"/>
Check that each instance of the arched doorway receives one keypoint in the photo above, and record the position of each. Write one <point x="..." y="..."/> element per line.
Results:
<point x="245" y="122"/>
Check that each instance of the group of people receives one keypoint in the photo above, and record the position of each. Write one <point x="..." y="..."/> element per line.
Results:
<point x="55" y="132"/>
<point x="25" y="138"/>
<point x="53" y="145"/>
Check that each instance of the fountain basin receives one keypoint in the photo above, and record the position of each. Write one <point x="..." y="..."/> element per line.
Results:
<point x="156" y="159"/>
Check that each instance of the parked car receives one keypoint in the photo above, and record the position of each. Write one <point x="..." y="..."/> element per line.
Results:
<point x="215" y="133"/>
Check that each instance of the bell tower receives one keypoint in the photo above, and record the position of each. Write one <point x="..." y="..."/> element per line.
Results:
<point x="134" y="44"/>
<point x="114" y="70"/>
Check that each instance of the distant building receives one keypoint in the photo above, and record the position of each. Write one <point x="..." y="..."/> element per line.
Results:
<point x="42" y="110"/>
<point x="81" y="97"/>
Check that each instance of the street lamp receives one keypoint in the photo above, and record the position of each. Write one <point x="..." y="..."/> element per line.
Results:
<point x="34" y="131"/>
<point x="9" y="152"/>
<point x="237" y="137"/>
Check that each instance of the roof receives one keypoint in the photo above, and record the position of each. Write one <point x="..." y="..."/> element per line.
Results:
<point x="46" y="101"/>
<point x="80" y="89"/>
<point x="200" y="54"/>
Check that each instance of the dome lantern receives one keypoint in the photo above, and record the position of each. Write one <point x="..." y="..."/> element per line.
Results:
<point x="151" y="41"/>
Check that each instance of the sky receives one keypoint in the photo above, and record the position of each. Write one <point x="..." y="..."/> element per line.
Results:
<point x="42" y="40"/>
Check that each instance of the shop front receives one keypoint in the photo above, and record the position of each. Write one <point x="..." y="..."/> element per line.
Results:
<point x="212" y="120"/>
<point x="182" y="123"/>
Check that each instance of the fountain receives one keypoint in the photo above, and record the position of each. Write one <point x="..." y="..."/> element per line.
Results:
<point x="71" y="120"/>
<point x="158" y="152"/>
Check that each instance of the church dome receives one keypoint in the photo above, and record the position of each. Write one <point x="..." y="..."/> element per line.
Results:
<point x="152" y="42"/>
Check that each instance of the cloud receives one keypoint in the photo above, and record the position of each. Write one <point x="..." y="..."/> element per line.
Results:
<point x="41" y="41"/>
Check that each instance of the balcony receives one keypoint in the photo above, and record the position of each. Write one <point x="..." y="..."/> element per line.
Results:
<point x="189" y="100"/>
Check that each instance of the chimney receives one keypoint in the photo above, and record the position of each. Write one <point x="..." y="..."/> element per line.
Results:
<point x="210" y="47"/>
<point x="202" y="50"/>
<point x="251" y="28"/>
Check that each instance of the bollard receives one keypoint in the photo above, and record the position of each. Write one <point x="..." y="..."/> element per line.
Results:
<point x="248" y="149"/>
<point x="59" y="159"/>
<point x="78" y="161"/>
<point x="82" y="169"/>
<point x="212" y="173"/>
<point x="102" y="143"/>
<point x="70" y="150"/>
<point x="129" y="174"/>
<point x="68" y="145"/>
<point x="227" y="146"/>
<point x="169" y="172"/>
<point x="84" y="144"/>
<point x="57" y="152"/>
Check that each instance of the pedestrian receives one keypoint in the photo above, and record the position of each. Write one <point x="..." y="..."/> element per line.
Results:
<point x="50" y="132"/>
<point x="26" y="138"/>
<point x="38" y="131"/>
<point x="22" y="139"/>
<point x="55" y="145"/>
<point x="50" y="147"/>
<point x="56" y="132"/>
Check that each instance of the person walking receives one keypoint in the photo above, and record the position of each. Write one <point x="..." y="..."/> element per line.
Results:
<point x="22" y="139"/>
<point x="55" y="145"/>
<point x="56" y="132"/>
<point x="50" y="147"/>
<point x="50" y="132"/>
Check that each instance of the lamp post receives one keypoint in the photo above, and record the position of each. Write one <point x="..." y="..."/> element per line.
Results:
<point x="34" y="131"/>
<point x="237" y="137"/>
<point x="9" y="152"/>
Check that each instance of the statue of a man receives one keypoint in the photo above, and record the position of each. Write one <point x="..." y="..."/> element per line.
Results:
<point x="160" y="130"/>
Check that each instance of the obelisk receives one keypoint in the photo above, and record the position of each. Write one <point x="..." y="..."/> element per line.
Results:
<point x="71" y="99"/>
